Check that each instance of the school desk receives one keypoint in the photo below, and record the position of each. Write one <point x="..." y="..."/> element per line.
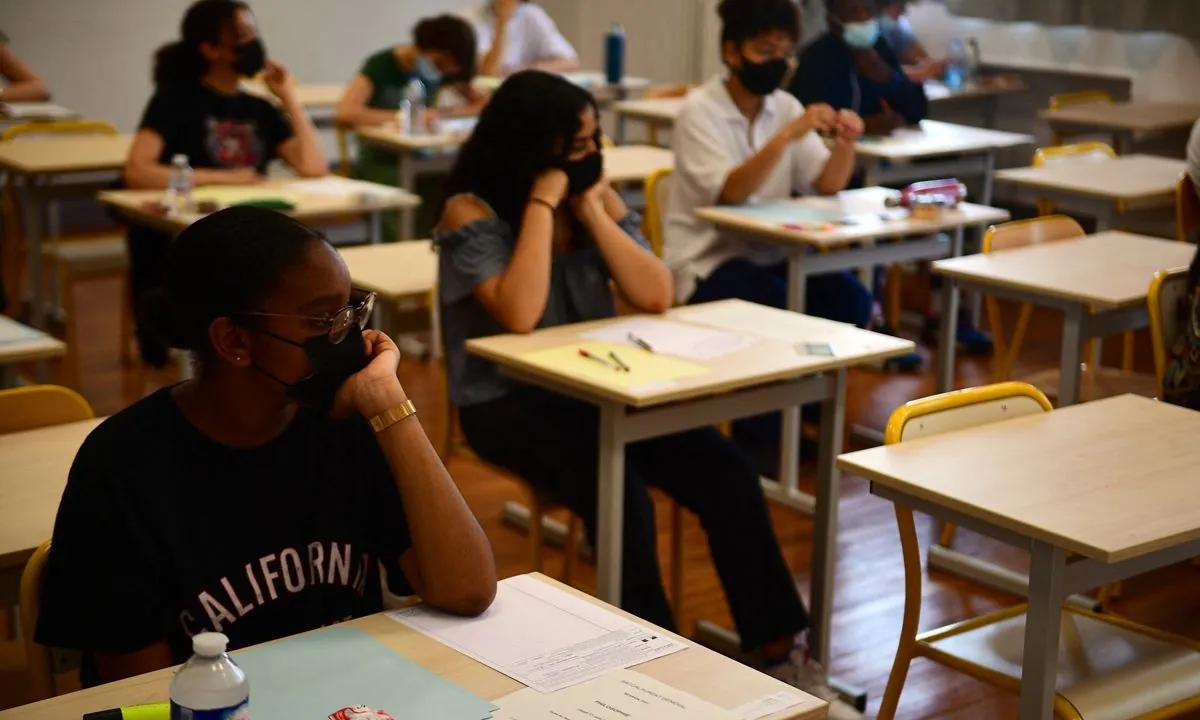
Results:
<point x="18" y="344"/>
<point x="1099" y="282"/>
<point x="696" y="670"/>
<point x="52" y="168"/>
<point x="403" y="275"/>
<point x="1105" y="189"/>
<point x="594" y="82"/>
<point x="773" y="374"/>
<point x="1123" y="120"/>
<point x="1111" y="482"/>
<point x="943" y="149"/>
<point x="634" y="163"/>
<point x="17" y="113"/>
<point x="315" y="200"/>
<point x="986" y="93"/>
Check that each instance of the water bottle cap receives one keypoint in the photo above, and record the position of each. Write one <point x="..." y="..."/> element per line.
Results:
<point x="179" y="159"/>
<point x="209" y="644"/>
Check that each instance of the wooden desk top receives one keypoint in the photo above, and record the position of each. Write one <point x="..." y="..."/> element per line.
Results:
<point x="773" y="360"/>
<point x="20" y="343"/>
<point x="390" y="137"/>
<point x="1134" y="179"/>
<point x="936" y="91"/>
<point x="696" y="670"/>
<point x="35" y="465"/>
<point x="395" y="271"/>
<point x="65" y="154"/>
<point x="863" y="207"/>
<point x="1131" y="116"/>
<point x="312" y="96"/>
<point x="654" y="110"/>
<point x="325" y="197"/>
<point x="1111" y="479"/>
<point x="1107" y="270"/>
<point x="933" y="138"/>
<point x="633" y="163"/>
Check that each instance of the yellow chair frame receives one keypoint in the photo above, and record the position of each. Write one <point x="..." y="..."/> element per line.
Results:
<point x="1057" y="151"/>
<point x="655" y="222"/>
<point x="912" y="644"/>
<point x="38" y="406"/>
<point x="38" y="658"/>
<point x="1187" y="208"/>
<point x="1087" y="97"/>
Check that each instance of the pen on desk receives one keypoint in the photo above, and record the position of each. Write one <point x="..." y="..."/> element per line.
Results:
<point x="596" y="358"/>
<point x="640" y="342"/>
<point x="618" y="360"/>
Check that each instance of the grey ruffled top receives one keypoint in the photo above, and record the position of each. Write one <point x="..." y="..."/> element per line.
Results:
<point x="579" y="291"/>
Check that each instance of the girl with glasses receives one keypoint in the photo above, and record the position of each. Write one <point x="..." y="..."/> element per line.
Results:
<point x="259" y="499"/>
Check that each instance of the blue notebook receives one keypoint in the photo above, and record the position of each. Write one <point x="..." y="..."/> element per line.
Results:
<point x="312" y="676"/>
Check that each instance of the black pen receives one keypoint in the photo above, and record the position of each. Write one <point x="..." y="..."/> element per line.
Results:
<point x="618" y="361"/>
<point x="640" y="343"/>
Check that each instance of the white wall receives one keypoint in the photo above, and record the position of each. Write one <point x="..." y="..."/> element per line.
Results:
<point x="96" y="54"/>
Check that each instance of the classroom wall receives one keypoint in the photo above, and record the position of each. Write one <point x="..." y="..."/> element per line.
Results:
<point x="96" y="53"/>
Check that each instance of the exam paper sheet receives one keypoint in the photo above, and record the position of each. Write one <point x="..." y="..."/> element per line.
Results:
<point x="543" y="637"/>
<point x="674" y="338"/>
<point x="619" y="695"/>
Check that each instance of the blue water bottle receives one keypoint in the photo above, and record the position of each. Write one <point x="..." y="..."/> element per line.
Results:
<point x="614" y="54"/>
<point x="956" y="61"/>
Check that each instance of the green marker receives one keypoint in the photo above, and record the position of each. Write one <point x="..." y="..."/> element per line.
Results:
<point x="157" y="711"/>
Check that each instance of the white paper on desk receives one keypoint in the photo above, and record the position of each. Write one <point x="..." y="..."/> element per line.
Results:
<point x="12" y="332"/>
<point x="619" y="695"/>
<point x="21" y="110"/>
<point x="336" y="187"/>
<point x="765" y="706"/>
<point x="674" y="338"/>
<point x="542" y="636"/>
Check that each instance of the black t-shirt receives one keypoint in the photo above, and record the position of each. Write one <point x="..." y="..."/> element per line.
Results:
<point x="163" y="533"/>
<point x="215" y="130"/>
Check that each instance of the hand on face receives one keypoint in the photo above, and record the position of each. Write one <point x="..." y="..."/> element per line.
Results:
<point x="376" y="387"/>
<point x="589" y="203"/>
<point x="278" y="79"/>
<point x="551" y="186"/>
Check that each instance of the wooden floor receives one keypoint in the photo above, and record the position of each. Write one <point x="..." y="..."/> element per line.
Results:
<point x="869" y="591"/>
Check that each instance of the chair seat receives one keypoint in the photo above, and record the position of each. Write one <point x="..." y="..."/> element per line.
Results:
<point x="1108" y="669"/>
<point x="1097" y="384"/>
<point x="98" y="255"/>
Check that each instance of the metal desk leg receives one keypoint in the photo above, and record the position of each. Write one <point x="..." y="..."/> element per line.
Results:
<point x="1124" y="140"/>
<point x="1068" y="378"/>
<point x="622" y="128"/>
<point x="833" y="419"/>
<point x="789" y="448"/>
<point x="408" y="181"/>
<point x="34" y="212"/>
<point x="946" y="343"/>
<point x="1043" y="623"/>
<point x="991" y="108"/>
<point x="610" y="488"/>
<point x="375" y="227"/>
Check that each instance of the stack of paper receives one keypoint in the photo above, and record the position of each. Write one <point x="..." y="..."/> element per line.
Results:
<point x="315" y="675"/>
<point x="543" y="637"/>
<point x="664" y="337"/>
<point x="12" y="332"/>
<point x="36" y="111"/>
<point x="619" y="695"/>
<point x="785" y="212"/>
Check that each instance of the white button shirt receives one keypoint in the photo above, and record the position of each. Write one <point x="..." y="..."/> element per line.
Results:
<point x="531" y="36"/>
<point x="711" y="139"/>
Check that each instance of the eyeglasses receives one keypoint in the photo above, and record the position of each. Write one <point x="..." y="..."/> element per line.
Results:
<point x="338" y="325"/>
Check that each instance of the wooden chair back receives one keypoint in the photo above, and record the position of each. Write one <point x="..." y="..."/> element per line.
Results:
<point x="658" y="191"/>
<point x="1087" y="97"/>
<point x="1187" y="208"/>
<point x="1079" y="152"/>
<point x="37" y="406"/>
<point x="1007" y="236"/>
<point x="1170" y="311"/>
<point x="44" y="663"/>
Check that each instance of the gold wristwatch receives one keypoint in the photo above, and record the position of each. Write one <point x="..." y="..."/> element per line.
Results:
<point x="393" y="415"/>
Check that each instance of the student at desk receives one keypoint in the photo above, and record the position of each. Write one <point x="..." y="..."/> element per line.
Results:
<point x="442" y="55"/>
<point x="852" y="67"/>
<point x="740" y="138"/>
<point x="229" y="136"/>
<point x="519" y="35"/>
<point x="1181" y="382"/>
<point x="897" y="31"/>
<point x="258" y="499"/>
<point x="531" y="236"/>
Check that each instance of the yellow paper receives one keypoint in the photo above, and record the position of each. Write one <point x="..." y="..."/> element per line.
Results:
<point x="225" y="196"/>
<point x="645" y="369"/>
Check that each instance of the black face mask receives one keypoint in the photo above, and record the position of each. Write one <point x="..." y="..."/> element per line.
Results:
<point x="583" y="173"/>
<point x="251" y="58"/>
<point x="332" y="366"/>
<point x="762" y="78"/>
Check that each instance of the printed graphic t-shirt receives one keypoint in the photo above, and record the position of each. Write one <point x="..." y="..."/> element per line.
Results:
<point x="163" y="533"/>
<point x="216" y="130"/>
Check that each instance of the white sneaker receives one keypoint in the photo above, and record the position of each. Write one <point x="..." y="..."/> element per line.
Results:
<point x="808" y="676"/>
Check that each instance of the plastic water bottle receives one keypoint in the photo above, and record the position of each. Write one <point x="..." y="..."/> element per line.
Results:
<point x="179" y="188"/>
<point x="412" y="116"/>
<point x="210" y="686"/>
<point x="614" y="55"/>
<point x="956" y="61"/>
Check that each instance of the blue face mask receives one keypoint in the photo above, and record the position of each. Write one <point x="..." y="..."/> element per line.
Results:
<point x="428" y="72"/>
<point x="861" y="35"/>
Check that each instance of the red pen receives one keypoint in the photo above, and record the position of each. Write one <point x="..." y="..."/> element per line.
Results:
<point x="596" y="358"/>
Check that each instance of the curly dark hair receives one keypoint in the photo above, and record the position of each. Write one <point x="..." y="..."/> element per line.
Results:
<point x="526" y="128"/>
